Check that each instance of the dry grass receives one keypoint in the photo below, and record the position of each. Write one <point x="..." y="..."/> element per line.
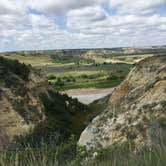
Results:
<point x="33" y="60"/>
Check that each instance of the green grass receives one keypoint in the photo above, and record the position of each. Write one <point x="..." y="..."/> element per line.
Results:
<point x="59" y="66"/>
<point x="68" y="154"/>
<point x="71" y="59"/>
<point x="102" y="76"/>
<point x="90" y="84"/>
<point x="123" y="155"/>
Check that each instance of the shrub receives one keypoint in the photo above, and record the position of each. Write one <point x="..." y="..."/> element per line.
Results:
<point x="162" y="121"/>
<point x="59" y="82"/>
<point x="13" y="66"/>
<point x="113" y="76"/>
<point x="51" y="77"/>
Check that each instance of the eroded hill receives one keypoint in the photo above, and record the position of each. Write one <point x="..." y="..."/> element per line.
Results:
<point x="27" y="100"/>
<point x="136" y="110"/>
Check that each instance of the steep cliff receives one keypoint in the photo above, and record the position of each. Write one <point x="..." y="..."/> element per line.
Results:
<point x="136" y="110"/>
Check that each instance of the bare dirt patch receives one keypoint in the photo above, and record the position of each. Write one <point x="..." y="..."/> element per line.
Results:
<point x="88" y="95"/>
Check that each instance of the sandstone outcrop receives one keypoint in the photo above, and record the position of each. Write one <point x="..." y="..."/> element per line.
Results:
<point x="136" y="110"/>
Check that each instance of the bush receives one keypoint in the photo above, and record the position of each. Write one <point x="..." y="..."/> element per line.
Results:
<point x="13" y="66"/>
<point x="113" y="76"/>
<point x="51" y="77"/>
<point x="162" y="121"/>
<point x="69" y="79"/>
<point x="59" y="82"/>
<point x="84" y="76"/>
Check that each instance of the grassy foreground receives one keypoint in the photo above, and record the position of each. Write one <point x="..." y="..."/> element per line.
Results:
<point x="68" y="155"/>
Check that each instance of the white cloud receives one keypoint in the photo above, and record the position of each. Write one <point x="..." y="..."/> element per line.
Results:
<point x="136" y="7"/>
<point x="15" y="7"/>
<point x="41" y="21"/>
<point x="86" y="17"/>
<point x="62" y="6"/>
<point x="76" y="24"/>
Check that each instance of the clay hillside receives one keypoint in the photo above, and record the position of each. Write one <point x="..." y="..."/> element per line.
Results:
<point x="136" y="110"/>
<point x="26" y="100"/>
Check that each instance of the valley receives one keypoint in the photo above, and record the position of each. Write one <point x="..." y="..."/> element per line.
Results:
<point x="82" y="83"/>
<point x="96" y="68"/>
<point x="83" y="107"/>
<point x="77" y="69"/>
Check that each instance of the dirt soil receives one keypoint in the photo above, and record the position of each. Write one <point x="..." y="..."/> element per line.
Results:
<point x="88" y="95"/>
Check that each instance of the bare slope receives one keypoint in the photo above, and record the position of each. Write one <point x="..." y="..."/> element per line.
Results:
<point x="26" y="100"/>
<point x="135" y="111"/>
<point x="20" y="106"/>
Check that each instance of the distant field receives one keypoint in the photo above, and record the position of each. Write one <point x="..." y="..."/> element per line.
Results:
<point x="33" y="60"/>
<point x="76" y="72"/>
<point x="82" y="68"/>
<point x="100" y="76"/>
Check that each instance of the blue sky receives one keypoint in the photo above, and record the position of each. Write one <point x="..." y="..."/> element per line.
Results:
<point x="62" y="24"/>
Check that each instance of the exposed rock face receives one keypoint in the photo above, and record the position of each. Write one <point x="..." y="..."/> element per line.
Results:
<point x="135" y="111"/>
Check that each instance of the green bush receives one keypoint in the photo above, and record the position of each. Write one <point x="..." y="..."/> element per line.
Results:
<point x="113" y="76"/>
<point x="59" y="82"/>
<point x="162" y="121"/>
<point x="51" y="77"/>
<point x="13" y="66"/>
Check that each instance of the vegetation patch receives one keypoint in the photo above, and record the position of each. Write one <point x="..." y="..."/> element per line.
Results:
<point x="100" y="79"/>
<point x="68" y="154"/>
<point x="162" y="121"/>
<point x="9" y="67"/>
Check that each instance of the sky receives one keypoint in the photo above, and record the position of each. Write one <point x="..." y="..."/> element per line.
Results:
<point x="70" y="24"/>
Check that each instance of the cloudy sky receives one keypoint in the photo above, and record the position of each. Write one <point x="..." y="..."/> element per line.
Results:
<point x="55" y="24"/>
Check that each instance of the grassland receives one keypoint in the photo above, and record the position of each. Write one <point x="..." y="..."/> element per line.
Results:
<point x="87" y="79"/>
<point x="71" y="72"/>
<point x="72" y="69"/>
<point x="88" y="71"/>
